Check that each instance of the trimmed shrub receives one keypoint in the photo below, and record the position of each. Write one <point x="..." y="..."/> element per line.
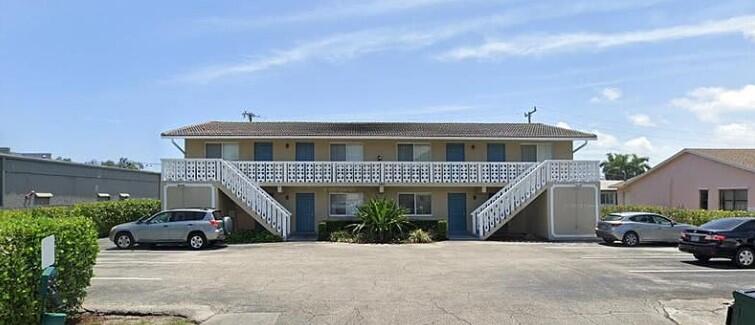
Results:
<point x="441" y="230"/>
<point x="20" y="256"/>
<point x="691" y="216"/>
<point x="105" y="215"/>
<point x="343" y="236"/>
<point x="325" y="228"/>
<point x="252" y="236"/>
<point x="419" y="236"/>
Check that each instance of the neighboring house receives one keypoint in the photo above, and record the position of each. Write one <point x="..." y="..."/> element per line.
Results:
<point x="711" y="179"/>
<point x="28" y="182"/>
<point x="608" y="192"/>
<point x="289" y="176"/>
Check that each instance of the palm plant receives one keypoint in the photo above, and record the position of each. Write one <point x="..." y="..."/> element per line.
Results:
<point x="624" y="166"/>
<point x="381" y="219"/>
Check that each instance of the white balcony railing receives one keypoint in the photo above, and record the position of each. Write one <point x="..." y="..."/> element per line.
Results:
<point x="357" y="172"/>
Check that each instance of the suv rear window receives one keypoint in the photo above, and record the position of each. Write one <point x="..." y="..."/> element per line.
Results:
<point x="217" y="215"/>
<point x="187" y="215"/>
<point x="722" y="224"/>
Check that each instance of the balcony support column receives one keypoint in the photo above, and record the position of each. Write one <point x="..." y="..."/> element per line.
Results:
<point x="381" y="189"/>
<point x="484" y="189"/>
<point x="280" y="189"/>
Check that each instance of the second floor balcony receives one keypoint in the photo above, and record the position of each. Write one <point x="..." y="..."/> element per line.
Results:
<point x="373" y="173"/>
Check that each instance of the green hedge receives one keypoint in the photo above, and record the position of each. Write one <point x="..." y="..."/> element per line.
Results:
<point x="105" y="215"/>
<point x="252" y="236"/>
<point x="20" y="241"/>
<point x="439" y="228"/>
<point x="691" y="216"/>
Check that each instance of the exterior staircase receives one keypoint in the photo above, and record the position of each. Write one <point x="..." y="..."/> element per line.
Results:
<point x="233" y="182"/>
<point x="254" y="200"/>
<point x="525" y="188"/>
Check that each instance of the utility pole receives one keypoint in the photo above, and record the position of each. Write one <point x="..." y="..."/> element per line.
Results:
<point x="249" y="115"/>
<point x="528" y="115"/>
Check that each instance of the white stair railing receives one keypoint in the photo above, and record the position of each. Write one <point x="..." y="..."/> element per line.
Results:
<point x="515" y="196"/>
<point x="273" y="215"/>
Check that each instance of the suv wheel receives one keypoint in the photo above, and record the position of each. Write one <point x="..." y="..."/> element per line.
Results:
<point x="631" y="239"/>
<point x="197" y="241"/>
<point x="745" y="257"/>
<point x="124" y="240"/>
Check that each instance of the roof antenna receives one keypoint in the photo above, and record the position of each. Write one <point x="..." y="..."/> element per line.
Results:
<point x="528" y="115"/>
<point x="249" y="115"/>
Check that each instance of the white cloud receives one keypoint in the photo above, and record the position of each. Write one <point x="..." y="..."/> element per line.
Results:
<point x="735" y="135"/>
<point x="710" y="103"/>
<point x="363" y="42"/>
<point x="607" y="95"/>
<point x="330" y="12"/>
<point x="563" y="125"/>
<point x="640" y="145"/>
<point x="539" y="45"/>
<point x="641" y="120"/>
<point x="605" y="141"/>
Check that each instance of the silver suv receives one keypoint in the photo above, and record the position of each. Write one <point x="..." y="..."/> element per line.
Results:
<point x="196" y="227"/>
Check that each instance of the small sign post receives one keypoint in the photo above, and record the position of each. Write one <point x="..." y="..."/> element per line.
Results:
<point x="48" y="251"/>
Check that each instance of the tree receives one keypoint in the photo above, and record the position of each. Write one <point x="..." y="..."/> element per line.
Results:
<point x="123" y="162"/>
<point x="624" y="166"/>
<point x="59" y="158"/>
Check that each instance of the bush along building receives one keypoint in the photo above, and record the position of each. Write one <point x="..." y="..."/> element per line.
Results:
<point x="484" y="179"/>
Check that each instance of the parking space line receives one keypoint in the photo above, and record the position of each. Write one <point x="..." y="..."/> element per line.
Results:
<point x="613" y="257"/>
<point x="126" y="278"/>
<point x="145" y="262"/>
<point x="693" y="271"/>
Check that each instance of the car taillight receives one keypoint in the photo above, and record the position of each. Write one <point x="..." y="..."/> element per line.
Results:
<point x="716" y="237"/>
<point x="215" y="223"/>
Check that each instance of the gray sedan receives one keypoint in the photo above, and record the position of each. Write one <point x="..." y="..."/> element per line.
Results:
<point x="196" y="227"/>
<point x="631" y="228"/>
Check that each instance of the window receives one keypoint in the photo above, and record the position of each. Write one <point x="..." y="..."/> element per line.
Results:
<point x="704" y="199"/>
<point x="188" y="216"/>
<point x="661" y="220"/>
<point x="529" y="152"/>
<point x="732" y="199"/>
<point x="263" y="151"/>
<point x="161" y="218"/>
<point x="496" y="152"/>
<point x="643" y="219"/>
<point x="608" y="197"/>
<point x="345" y="204"/>
<point x="747" y="226"/>
<point x="227" y="151"/>
<point x="346" y="152"/>
<point x="416" y="203"/>
<point x="413" y="152"/>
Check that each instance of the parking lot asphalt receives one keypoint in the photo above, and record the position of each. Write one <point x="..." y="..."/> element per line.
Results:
<point x="464" y="282"/>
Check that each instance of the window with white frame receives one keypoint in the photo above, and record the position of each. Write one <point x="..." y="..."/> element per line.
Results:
<point x="418" y="204"/>
<point x="345" y="204"/>
<point x="346" y="152"/>
<point x="227" y="151"/>
<point x="414" y="152"/>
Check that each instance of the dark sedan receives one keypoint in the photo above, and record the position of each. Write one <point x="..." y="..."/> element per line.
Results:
<point x="732" y="238"/>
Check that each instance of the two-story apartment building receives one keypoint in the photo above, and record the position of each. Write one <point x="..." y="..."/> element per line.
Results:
<point x="288" y="176"/>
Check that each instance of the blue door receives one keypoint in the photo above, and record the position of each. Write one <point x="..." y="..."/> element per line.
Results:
<point x="305" y="212"/>
<point x="305" y="151"/>
<point x="454" y="152"/>
<point x="496" y="152"/>
<point x="263" y="151"/>
<point x="457" y="213"/>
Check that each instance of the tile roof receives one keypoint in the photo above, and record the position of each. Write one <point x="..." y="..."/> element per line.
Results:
<point x="742" y="158"/>
<point x="376" y="130"/>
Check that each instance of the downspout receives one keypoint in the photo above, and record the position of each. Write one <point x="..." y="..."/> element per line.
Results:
<point x="173" y="141"/>
<point x="578" y="148"/>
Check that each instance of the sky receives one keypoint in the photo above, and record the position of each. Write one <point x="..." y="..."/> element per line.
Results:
<point x="101" y="79"/>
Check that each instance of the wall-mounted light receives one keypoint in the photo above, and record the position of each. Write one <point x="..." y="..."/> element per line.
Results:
<point x="472" y="147"/>
<point x="286" y="197"/>
<point x="379" y="157"/>
<point x="287" y="145"/>
<point x="474" y="197"/>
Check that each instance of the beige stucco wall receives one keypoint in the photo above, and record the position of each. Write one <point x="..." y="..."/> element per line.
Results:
<point x="474" y="150"/>
<point x="677" y="183"/>
<point x="532" y="220"/>
<point x="439" y="205"/>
